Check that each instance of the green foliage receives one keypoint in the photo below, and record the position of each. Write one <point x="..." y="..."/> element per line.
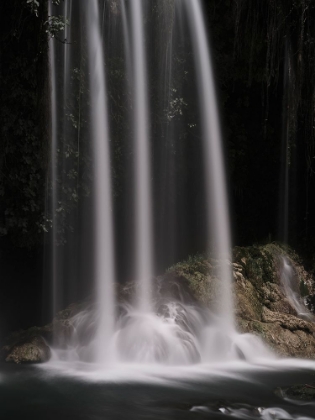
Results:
<point x="24" y="116"/>
<point x="34" y="5"/>
<point x="74" y="168"/>
<point x="191" y="265"/>
<point x="24" y="139"/>
<point x="56" y="24"/>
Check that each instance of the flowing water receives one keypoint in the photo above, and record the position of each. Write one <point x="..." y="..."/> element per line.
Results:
<point x="152" y="336"/>
<point x="159" y="355"/>
<point x="143" y="204"/>
<point x="216" y="194"/>
<point x="53" y="165"/>
<point x="235" y="391"/>
<point x="103" y="216"/>
<point x="291" y="286"/>
<point x="148" y="329"/>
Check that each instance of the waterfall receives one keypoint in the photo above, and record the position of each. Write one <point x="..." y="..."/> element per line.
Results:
<point x="219" y="240"/>
<point x="103" y="217"/>
<point x="53" y="167"/>
<point x="290" y="283"/>
<point x="149" y="328"/>
<point x="143" y="204"/>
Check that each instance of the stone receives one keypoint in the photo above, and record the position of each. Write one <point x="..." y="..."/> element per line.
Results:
<point x="261" y="307"/>
<point x="33" y="350"/>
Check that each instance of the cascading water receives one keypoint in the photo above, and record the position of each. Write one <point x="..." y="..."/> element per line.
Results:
<point x="166" y="348"/>
<point x="216" y="197"/>
<point x="53" y="165"/>
<point x="151" y="328"/>
<point x="143" y="205"/>
<point x="290" y="285"/>
<point x="103" y="218"/>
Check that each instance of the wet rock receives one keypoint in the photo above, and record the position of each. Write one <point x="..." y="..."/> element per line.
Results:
<point x="196" y="272"/>
<point x="261" y="306"/>
<point x="32" y="350"/>
<point x="32" y="345"/>
<point x="302" y="392"/>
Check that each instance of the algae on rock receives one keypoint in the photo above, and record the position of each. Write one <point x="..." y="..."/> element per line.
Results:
<point x="261" y="306"/>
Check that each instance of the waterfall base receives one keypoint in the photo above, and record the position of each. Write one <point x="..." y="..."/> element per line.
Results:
<point x="175" y="335"/>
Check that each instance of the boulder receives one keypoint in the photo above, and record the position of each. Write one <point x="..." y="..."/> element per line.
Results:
<point x="32" y="350"/>
<point x="32" y="345"/>
<point x="261" y="306"/>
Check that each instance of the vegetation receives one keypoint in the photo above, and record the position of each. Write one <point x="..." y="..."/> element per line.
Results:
<point x="23" y="120"/>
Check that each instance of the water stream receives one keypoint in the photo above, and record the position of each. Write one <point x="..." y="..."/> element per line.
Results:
<point x="143" y="189"/>
<point x="53" y="166"/>
<point x="134" y="349"/>
<point x="219" y="240"/>
<point x="103" y="211"/>
<point x="149" y="329"/>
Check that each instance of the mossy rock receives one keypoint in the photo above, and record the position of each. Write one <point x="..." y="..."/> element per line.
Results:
<point x="260" y="262"/>
<point x="260" y="304"/>
<point x="199" y="273"/>
<point x="32" y="350"/>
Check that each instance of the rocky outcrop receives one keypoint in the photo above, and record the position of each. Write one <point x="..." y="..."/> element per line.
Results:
<point x="31" y="350"/>
<point x="261" y="306"/>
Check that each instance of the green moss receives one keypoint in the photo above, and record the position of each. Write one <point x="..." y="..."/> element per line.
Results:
<point x="259" y="262"/>
<point x="197" y="270"/>
<point x="258" y="327"/>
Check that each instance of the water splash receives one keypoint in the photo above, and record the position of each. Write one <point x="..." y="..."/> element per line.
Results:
<point x="290" y="285"/>
<point x="165" y="338"/>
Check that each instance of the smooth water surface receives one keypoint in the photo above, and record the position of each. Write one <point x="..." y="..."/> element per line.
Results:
<point x="236" y="390"/>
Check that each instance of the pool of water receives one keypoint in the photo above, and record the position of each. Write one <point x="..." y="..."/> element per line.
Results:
<point x="81" y="391"/>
